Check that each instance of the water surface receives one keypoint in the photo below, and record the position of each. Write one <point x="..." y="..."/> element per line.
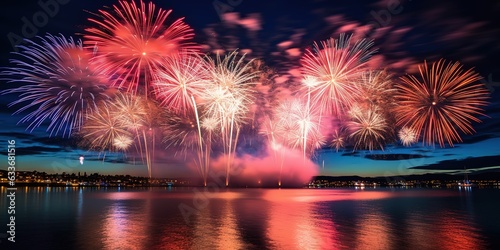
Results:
<point x="187" y="218"/>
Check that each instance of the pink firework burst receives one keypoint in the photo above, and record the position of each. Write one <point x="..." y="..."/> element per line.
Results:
<point x="184" y="78"/>
<point x="131" y="41"/>
<point x="329" y="69"/>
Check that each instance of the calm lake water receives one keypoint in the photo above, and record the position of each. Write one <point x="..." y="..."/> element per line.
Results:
<point x="187" y="218"/>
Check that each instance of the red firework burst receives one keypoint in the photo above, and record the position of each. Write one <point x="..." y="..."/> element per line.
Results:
<point x="442" y="102"/>
<point x="131" y="41"/>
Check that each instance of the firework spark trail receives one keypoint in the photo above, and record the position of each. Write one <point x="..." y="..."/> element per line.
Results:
<point x="178" y="86"/>
<point x="62" y="88"/>
<point x="293" y="126"/>
<point x="210" y="126"/>
<point x="188" y="133"/>
<point x="443" y="101"/>
<point x="132" y="41"/>
<point x="129" y="110"/>
<point x="301" y="125"/>
<point x="141" y="117"/>
<point x="331" y="66"/>
<point x="203" y="162"/>
<point x="227" y="98"/>
<point x="305" y="127"/>
<point x="151" y="128"/>
<point x="376" y="104"/>
<point x="129" y="113"/>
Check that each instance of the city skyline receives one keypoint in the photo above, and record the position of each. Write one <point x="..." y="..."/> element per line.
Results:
<point x="402" y="42"/>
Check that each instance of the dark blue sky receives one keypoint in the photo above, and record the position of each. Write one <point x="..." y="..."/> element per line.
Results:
<point x="406" y="33"/>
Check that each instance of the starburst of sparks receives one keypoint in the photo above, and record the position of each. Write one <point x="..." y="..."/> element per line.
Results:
<point x="101" y="130"/>
<point x="367" y="127"/>
<point x="338" y="139"/>
<point x="443" y="100"/>
<point x="132" y="40"/>
<point x="407" y="136"/>
<point x="329" y="71"/>
<point x="61" y="86"/>
<point x="184" y="77"/>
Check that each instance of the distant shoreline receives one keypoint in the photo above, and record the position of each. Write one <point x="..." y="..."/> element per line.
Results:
<point x="42" y="179"/>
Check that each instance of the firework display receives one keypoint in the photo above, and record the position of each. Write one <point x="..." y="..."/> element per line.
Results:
<point x="137" y="81"/>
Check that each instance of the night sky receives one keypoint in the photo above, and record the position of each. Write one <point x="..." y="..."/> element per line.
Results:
<point x="405" y="32"/>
